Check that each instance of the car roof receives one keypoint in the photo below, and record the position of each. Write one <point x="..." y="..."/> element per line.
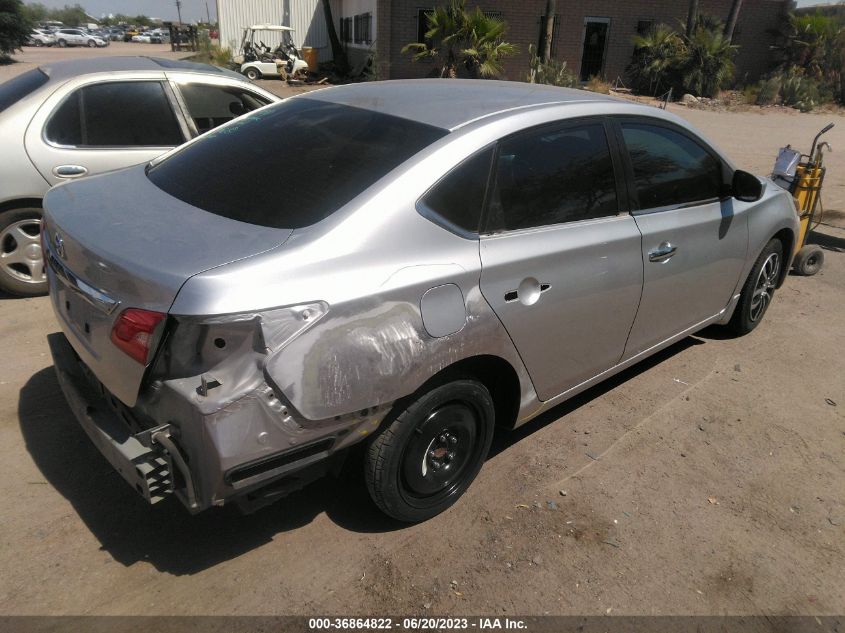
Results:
<point x="59" y="71"/>
<point x="451" y="103"/>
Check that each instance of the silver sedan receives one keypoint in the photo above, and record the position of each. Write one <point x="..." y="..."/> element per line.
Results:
<point x="70" y="119"/>
<point x="407" y="264"/>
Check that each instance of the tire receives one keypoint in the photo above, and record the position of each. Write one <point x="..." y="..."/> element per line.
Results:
<point x="429" y="455"/>
<point x="21" y="264"/>
<point x="92" y="44"/>
<point x="758" y="290"/>
<point x="809" y="260"/>
<point x="252" y="74"/>
<point x="61" y="43"/>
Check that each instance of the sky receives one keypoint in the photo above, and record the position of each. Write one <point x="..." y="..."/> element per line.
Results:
<point x="192" y="10"/>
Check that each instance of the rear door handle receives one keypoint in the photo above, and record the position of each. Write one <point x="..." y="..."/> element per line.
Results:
<point x="662" y="253"/>
<point x="70" y="171"/>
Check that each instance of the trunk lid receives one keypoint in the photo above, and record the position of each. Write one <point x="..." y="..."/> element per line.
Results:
<point x="116" y="241"/>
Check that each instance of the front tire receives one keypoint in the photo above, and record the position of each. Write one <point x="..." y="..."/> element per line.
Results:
<point x="809" y="260"/>
<point x="92" y="44"/>
<point x="21" y="263"/>
<point x="252" y="74"/>
<point x="62" y="43"/>
<point x="432" y="451"/>
<point x="758" y="290"/>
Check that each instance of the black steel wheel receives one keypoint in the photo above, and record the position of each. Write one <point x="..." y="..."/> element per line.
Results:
<point x="809" y="260"/>
<point x="432" y="451"/>
<point x="758" y="290"/>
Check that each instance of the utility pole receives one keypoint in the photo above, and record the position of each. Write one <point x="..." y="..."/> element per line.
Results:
<point x="207" y="13"/>
<point x="179" y="10"/>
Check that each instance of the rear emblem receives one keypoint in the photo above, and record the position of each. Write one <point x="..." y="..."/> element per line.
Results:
<point x="60" y="245"/>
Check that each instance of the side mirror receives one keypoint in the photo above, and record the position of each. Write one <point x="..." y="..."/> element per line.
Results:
<point x="746" y="187"/>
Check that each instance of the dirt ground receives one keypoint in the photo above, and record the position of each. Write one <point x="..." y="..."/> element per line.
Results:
<point x="708" y="480"/>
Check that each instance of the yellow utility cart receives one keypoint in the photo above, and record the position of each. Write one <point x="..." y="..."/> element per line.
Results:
<point x="803" y="175"/>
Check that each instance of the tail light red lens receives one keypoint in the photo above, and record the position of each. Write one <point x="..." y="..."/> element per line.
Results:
<point x="133" y="332"/>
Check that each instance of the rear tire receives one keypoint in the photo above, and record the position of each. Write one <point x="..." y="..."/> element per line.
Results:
<point x="61" y="43"/>
<point x="429" y="455"/>
<point x="758" y="290"/>
<point x="809" y="260"/>
<point x="252" y="74"/>
<point x="21" y="264"/>
<point x="91" y="43"/>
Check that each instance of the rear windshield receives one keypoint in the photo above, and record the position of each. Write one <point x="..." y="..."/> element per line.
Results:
<point x="17" y="88"/>
<point x="292" y="164"/>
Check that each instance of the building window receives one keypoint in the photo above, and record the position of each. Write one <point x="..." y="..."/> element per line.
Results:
<point x="644" y="27"/>
<point x="422" y="26"/>
<point x="363" y="22"/>
<point x="542" y="39"/>
<point x="346" y="30"/>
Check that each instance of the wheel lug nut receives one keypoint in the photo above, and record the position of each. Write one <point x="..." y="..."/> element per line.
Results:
<point x="453" y="439"/>
<point x="435" y="466"/>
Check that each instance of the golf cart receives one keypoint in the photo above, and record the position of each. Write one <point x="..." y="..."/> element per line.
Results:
<point x="257" y="60"/>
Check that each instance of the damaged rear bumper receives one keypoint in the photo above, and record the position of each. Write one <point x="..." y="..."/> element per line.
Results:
<point x="183" y="455"/>
<point x="146" y="468"/>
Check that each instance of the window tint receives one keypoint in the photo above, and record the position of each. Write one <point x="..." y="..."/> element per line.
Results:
<point x="252" y="169"/>
<point x="551" y="176"/>
<point x="210" y="106"/>
<point x="65" y="126"/>
<point x="116" y="114"/>
<point x="669" y="167"/>
<point x="456" y="201"/>
<point x="19" y="87"/>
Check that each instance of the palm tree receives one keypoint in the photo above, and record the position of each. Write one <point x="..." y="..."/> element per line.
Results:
<point x="458" y="37"/>
<point x="708" y="63"/>
<point x="732" y="18"/>
<point x="655" y="57"/>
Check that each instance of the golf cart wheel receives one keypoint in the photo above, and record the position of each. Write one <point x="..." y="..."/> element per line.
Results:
<point x="809" y="260"/>
<point x="252" y="74"/>
<point x="428" y="456"/>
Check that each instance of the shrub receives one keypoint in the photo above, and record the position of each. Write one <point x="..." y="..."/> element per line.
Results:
<point x="768" y="92"/>
<point x="552" y="72"/>
<point x="799" y="91"/>
<point x="597" y="84"/>
<point x="653" y="68"/>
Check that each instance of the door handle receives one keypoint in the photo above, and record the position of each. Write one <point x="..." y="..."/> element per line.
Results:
<point x="662" y="253"/>
<point x="70" y="171"/>
<point x="530" y="290"/>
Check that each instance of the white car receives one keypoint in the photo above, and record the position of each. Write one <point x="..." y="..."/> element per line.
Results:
<point x="39" y="37"/>
<point x="143" y="37"/>
<point x="78" y="37"/>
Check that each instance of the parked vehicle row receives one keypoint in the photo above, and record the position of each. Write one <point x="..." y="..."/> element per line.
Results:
<point x="77" y="118"/>
<point x="476" y="253"/>
<point x="66" y="36"/>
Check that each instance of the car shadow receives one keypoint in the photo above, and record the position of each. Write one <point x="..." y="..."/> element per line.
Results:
<point x="165" y="535"/>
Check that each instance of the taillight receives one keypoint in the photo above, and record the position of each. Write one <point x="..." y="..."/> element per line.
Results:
<point x="133" y="332"/>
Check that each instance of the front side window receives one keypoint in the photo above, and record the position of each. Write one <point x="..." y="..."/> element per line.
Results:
<point x="455" y="202"/>
<point x="211" y="105"/>
<point x="670" y="169"/>
<point x="553" y="175"/>
<point x="116" y="114"/>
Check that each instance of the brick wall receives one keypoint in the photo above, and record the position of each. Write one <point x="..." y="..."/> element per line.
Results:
<point x="397" y="25"/>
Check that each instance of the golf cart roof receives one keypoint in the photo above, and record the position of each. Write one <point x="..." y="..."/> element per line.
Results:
<point x="268" y="27"/>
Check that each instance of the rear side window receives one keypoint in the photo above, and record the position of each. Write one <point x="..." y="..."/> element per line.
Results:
<point x="553" y="175"/>
<point x="670" y="169"/>
<point x="210" y="106"/>
<point x="456" y="201"/>
<point x="116" y="114"/>
<point x="21" y="86"/>
<point x="292" y="164"/>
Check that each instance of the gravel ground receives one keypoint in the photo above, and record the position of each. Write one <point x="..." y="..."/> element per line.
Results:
<point x="708" y="480"/>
